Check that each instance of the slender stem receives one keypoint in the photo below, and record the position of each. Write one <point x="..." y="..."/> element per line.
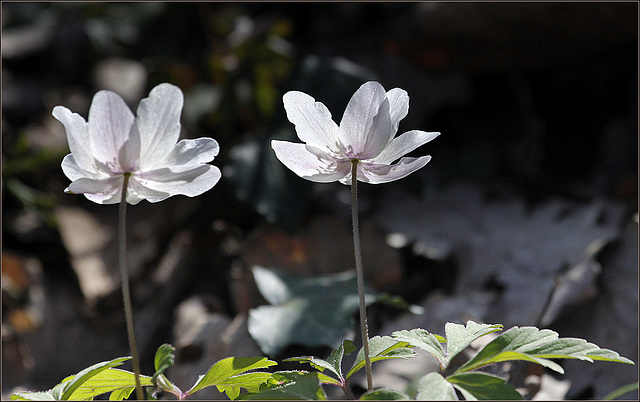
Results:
<point x="126" y="295"/>
<point x="360" y="272"/>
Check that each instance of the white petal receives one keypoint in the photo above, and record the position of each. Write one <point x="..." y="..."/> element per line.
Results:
<point x="101" y="191"/>
<point x="365" y="128"/>
<point x="193" y="152"/>
<point x="403" y="144"/>
<point x="398" y="106"/>
<point x="312" y="120"/>
<point x="114" y="139"/>
<point x="77" y="136"/>
<point x="376" y="173"/>
<point x="184" y="180"/>
<point x="315" y="166"/>
<point x="74" y="172"/>
<point x="158" y="122"/>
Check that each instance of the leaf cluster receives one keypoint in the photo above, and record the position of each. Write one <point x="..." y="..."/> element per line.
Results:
<point x="232" y="374"/>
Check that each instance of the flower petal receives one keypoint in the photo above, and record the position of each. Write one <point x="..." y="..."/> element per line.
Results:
<point x="184" y="180"/>
<point x="102" y="191"/>
<point x="74" y="172"/>
<point x="312" y="120"/>
<point x="316" y="166"/>
<point x="365" y="128"/>
<point x="158" y="122"/>
<point x="193" y="152"/>
<point x="114" y="140"/>
<point x="77" y="135"/>
<point x="382" y="173"/>
<point x="402" y="145"/>
<point x="398" y="106"/>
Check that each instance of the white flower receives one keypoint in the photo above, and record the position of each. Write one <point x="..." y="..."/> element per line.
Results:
<point x="113" y="143"/>
<point x="366" y="134"/>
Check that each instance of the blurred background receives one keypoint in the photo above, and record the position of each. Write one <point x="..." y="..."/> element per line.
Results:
<point x="526" y="215"/>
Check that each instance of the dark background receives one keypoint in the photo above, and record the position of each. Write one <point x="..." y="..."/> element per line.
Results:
<point x="536" y="102"/>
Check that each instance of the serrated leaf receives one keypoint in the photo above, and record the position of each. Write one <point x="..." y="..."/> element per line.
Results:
<point x="382" y="348"/>
<point x="118" y="382"/>
<point x="482" y="386"/>
<point x="68" y="386"/>
<point x="434" y="387"/>
<point x="426" y="341"/>
<point x="305" y="387"/>
<point x="32" y="396"/>
<point x="535" y="345"/>
<point x="333" y="362"/>
<point x="460" y="336"/>
<point x="282" y="377"/>
<point x="223" y="372"/>
<point x="384" y="395"/>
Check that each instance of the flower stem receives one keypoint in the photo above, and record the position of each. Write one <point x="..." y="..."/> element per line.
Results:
<point x="126" y="295"/>
<point x="360" y="272"/>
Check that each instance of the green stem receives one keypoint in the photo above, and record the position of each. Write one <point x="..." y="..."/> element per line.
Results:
<point x="126" y="295"/>
<point x="360" y="272"/>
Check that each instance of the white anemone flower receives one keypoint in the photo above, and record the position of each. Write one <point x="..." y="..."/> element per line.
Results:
<point x="114" y="143"/>
<point x="366" y="135"/>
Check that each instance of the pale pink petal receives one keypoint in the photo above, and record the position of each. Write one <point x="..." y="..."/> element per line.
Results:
<point x="77" y="136"/>
<point x="184" y="180"/>
<point x="398" y="106"/>
<point x="193" y="152"/>
<point x="102" y="191"/>
<point x="382" y="173"/>
<point x="402" y="145"/>
<point x="158" y="122"/>
<point x="365" y="128"/>
<point x="312" y="120"/>
<point x="114" y="139"/>
<point x="316" y="166"/>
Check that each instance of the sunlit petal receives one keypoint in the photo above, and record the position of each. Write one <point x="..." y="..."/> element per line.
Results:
<point x="398" y="106"/>
<point x="315" y="166"/>
<point x="113" y="139"/>
<point x="312" y="120"/>
<point x="158" y="122"/>
<point x="382" y="173"/>
<point x="193" y="152"/>
<point x="103" y="190"/>
<point x="365" y="127"/>
<point x="184" y="180"/>
<point x="77" y="135"/>
<point x="403" y="144"/>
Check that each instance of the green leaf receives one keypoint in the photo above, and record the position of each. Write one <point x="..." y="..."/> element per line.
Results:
<point x="384" y="395"/>
<point x="434" y="387"/>
<point x="535" y="345"/>
<point x="460" y="336"/>
<point x="382" y="348"/>
<point x="305" y="387"/>
<point x="426" y="341"/>
<point x="119" y="382"/>
<point x="223" y="375"/>
<point x="164" y="359"/>
<point x="482" y="386"/>
<point x="333" y="362"/>
<point x="32" y="396"/>
<point x="68" y="386"/>
<point x="315" y="311"/>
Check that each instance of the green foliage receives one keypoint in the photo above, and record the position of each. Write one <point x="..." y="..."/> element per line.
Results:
<point x="535" y="345"/>
<point x="98" y="379"/>
<point x="230" y="374"/>
<point x="306" y="386"/>
<point x="382" y="348"/>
